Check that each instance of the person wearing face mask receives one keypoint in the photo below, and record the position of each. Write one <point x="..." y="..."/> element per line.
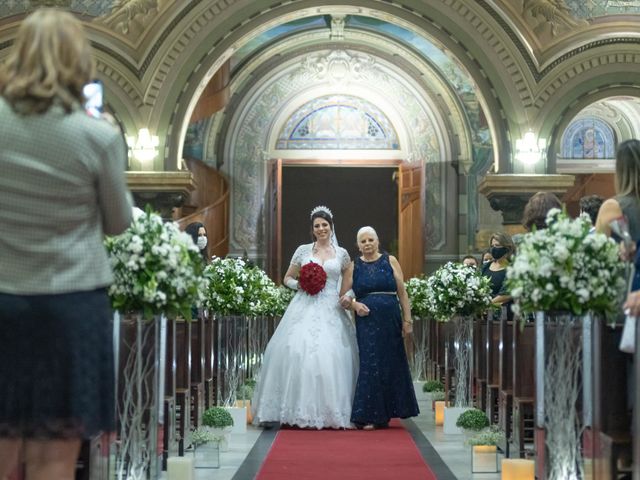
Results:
<point x="198" y="233"/>
<point x="502" y="248"/>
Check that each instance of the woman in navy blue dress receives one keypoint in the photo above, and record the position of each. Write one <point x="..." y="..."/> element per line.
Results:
<point x="384" y="389"/>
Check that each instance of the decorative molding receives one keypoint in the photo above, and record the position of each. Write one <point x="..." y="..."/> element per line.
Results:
<point x="509" y="193"/>
<point x="253" y="120"/>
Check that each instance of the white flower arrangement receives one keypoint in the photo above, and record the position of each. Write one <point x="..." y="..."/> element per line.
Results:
<point x="228" y="284"/>
<point x="157" y="268"/>
<point x="457" y="289"/>
<point x="417" y="291"/>
<point x="236" y="288"/>
<point x="566" y="268"/>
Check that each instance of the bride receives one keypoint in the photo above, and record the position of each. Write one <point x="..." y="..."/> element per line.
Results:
<point x="310" y="364"/>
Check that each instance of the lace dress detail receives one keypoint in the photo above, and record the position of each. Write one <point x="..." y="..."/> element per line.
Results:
<point x="310" y="364"/>
<point x="384" y="389"/>
<point x="56" y="365"/>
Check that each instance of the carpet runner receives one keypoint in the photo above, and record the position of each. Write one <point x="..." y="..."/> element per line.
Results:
<point x="345" y="455"/>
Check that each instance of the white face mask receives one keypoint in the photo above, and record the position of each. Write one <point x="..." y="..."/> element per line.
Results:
<point x="202" y="242"/>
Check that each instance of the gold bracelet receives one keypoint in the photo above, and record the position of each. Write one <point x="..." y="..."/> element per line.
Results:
<point x="409" y="322"/>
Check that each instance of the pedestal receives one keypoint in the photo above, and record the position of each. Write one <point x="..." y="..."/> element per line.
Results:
<point x="140" y="350"/>
<point x="484" y="459"/>
<point x="559" y="356"/>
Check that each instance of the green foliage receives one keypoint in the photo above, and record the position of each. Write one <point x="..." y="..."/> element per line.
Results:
<point x="473" y="419"/>
<point x="217" y="417"/>
<point x="489" y="436"/>
<point x="200" y="436"/>
<point x="437" y="396"/>
<point x="245" y="392"/>
<point x="433" y="386"/>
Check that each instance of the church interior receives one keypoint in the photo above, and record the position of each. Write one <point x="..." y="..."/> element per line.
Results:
<point x="435" y="121"/>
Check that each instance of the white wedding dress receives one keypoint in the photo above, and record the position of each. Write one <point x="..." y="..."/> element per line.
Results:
<point x="310" y="365"/>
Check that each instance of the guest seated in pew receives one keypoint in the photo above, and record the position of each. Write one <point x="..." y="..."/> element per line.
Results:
<point x="502" y="248"/>
<point x="62" y="189"/>
<point x="590" y="204"/>
<point x="198" y="233"/>
<point x="470" y="261"/>
<point x="537" y="208"/>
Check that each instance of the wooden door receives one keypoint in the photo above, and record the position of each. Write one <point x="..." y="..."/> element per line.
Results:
<point x="274" y="221"/>
<point x="410" y="219"/>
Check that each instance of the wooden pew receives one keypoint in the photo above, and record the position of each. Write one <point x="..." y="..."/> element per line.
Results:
<point x="480" y="362"/>
<point x="209" y="362"/>
<point x="505" y="360"/>
<point x="446" y="355"/>
<point x="523" y="388"/>
<point x="493" y="368"/>
<point x="611" y="435"/>
<point x="197" y="370"/>
<point x="183" y="383"/>
<point x="170" y="443"/>
<point x="441" y="346"/>
<point x="432" y="364"/>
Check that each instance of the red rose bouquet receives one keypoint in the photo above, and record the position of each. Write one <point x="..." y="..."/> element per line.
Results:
<point x="312" y="278"/>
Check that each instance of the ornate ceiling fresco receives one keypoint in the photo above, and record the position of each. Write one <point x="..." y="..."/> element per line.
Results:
<point x="482" y="73"/>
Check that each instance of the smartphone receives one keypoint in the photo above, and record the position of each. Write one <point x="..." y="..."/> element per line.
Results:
<point x="94" y="98"/>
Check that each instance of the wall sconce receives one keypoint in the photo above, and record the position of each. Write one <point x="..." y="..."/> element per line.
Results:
<point x="530" y="150"/>
<point x="144" y="147"/>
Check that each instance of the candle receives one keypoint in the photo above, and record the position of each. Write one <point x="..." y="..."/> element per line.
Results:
<point x="180" y="468"/>
<point x="517" y="469"/>
<point x="440" y="412"/>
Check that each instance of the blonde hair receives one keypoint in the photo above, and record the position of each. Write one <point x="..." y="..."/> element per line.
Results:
<point x="504" y="240"/>
<point x="627" y="176"/>
<point x="50" y="62"/>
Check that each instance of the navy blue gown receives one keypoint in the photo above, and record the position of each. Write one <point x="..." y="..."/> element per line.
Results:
<point x="384" y="389"/>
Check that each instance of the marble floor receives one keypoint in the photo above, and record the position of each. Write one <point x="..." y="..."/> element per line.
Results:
<point x="246" y="451"/>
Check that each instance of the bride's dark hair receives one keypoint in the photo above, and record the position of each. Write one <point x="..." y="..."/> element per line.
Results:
<point x="320" y="214"/>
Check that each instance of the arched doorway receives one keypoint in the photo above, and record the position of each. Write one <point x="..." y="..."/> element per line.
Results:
<point x="386" y="195"/>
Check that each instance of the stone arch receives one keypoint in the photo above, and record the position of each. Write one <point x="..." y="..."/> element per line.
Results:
<point x="259" y="113"/>
<point x="554" y="129"/>
<point x="420" y="21"/>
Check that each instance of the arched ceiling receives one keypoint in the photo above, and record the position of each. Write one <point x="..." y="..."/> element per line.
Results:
<point x="531" y="60"/>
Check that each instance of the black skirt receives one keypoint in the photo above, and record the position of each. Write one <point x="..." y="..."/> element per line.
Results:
<point x="56" y="365"/>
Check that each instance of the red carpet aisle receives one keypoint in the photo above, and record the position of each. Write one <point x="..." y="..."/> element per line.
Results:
<point x="345" y="455"/>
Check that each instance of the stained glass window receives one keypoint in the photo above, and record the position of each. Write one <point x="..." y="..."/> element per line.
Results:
<point x="338" y="122"/>
<point x="588" y="137"/>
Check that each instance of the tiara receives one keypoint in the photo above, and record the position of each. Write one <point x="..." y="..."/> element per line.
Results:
<point x="321" y="208"/>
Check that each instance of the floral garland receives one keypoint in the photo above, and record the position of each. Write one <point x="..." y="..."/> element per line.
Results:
<point x="157" y="268"/>
<point x="457" y="289"/>
<point x="564" y="267"/>
<point x="312" y="278"/>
